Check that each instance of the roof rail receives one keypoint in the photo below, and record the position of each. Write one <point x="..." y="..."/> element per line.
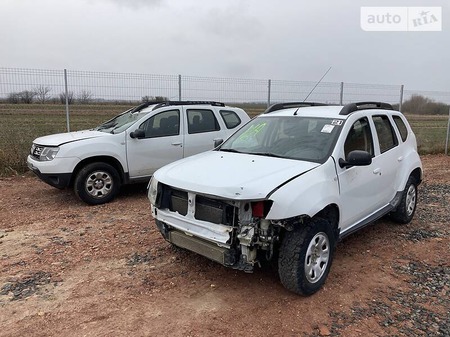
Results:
<point x="169" y="103"/>
<point x="142" y="106"/>
<point x="287" y="105"/>
<point x="352" y="107"/>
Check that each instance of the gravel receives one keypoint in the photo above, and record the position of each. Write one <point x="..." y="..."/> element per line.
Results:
<point x="18" y="289"/>
<point x="423" y="307"/>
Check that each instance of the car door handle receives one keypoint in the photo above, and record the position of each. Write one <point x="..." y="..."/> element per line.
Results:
<point x="176" y="143"/>
<point x="400" y="158"/>
<point x="377" y="171"/>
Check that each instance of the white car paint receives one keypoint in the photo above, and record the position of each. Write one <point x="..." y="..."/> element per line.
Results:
<point x="133" y="158"/>
<point x="294" y="189"/>
<point x="231" y="175"/>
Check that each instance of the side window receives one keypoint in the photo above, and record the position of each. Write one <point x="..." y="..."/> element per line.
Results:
<point x="359" y="137"/>
<point x="200" y="121"/>
<point x="230" y="118"/>
<point x="385" y="132"/>
<point x="164" y="124"/>
<point x="401" y="127"/>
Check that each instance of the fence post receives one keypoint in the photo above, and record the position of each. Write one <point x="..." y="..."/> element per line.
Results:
<point x="179" y="87"/>
<point x="401" y="98"/>
<point x="448" y="132"/>
<point x="269" y="84"/>
<point x="341" y="95"/>
<point x="67" y="100"/>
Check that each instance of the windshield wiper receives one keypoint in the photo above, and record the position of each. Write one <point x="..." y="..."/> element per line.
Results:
<point x="230" y="150"/>
<point x="267" y="154"/>
<point x="106" y="126"/>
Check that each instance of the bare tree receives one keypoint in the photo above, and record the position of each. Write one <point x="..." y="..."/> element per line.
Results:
<point x="27" y="96"/>
<point x="42" y="93"/>
<point x="85" y="96"/>
<point x="13" y="98"/>
<point x="161" y="99"/>
<point x="62" y="97"/>
<point x="146" y="99"/>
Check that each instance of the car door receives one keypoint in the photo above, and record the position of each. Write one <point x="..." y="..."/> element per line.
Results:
<point x="203" y="127"/>
<point x="161" y="145"/>
<point x="361" y="187"/>
<point x="389" y="159"/>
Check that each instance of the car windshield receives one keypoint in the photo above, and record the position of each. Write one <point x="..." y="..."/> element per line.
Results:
<point x="120" y="122"/>
<point x="291" y="137"/>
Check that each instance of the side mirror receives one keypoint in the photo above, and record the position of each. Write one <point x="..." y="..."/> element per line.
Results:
<point x="356" y="158"/>
<point x="217" y="142"/>
<point x="138" y="133"/>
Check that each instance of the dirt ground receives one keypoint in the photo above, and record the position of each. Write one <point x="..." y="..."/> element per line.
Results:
<point x="67" y="269"/>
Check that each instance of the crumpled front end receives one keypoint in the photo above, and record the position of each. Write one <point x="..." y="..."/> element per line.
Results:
<point x="231" y="232"/>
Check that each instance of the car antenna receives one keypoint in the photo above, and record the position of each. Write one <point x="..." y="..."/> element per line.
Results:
<point x="317" y="84"/>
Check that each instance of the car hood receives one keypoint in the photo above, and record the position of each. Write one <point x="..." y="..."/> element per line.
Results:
<point x="68" y="137"/>
<point x="231" y="175"/>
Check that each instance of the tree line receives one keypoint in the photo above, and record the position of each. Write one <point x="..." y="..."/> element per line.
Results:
<point x="422" y="105"/>
<point x="42" y="94"/>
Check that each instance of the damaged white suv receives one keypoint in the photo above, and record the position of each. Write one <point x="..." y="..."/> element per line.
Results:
<point x="288" y="186"/>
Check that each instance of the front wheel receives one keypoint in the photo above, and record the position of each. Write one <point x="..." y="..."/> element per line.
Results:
<point x="97" y="183"/>
<point x="305" y="257"/>
<point x="407" y="207"/>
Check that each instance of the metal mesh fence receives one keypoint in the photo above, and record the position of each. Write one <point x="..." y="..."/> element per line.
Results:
<point x="16" y="85"/>
<point x="94" y="97"/>
<point x="284" y="91"/>
<point x="30" y="84"/>
<point x="231" y="90"/>
<point x="356" y="92"/>
<point x="104" y="86"/>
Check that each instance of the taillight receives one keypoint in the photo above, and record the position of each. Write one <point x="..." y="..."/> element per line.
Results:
<point x="261" y="208"/>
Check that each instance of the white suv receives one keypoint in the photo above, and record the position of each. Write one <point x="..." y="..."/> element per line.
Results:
<point x="288" y="186"/>
<point x="131" y="146"/>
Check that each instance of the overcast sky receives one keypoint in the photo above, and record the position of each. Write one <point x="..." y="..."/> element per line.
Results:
<point x="260" y="39"/>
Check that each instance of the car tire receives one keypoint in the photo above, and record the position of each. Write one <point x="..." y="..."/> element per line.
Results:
<point x="407" y="207"/>
<point x="306" y="254"/>
<point x="97" y="183"/>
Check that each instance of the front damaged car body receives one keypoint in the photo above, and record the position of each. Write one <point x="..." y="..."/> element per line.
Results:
<point x="288" y="185"/>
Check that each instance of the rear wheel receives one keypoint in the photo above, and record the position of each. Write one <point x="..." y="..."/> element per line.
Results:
<point x="97" y="183"/>
<point x="407" y="207"/>
<point x="305" y="257"/>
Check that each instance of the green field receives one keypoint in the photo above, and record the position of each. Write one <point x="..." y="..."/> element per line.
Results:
<point x="21" y="123"/>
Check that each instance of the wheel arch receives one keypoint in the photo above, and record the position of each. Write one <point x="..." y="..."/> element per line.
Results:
<point x="331" y="213"/>
<point x="99" y="159"/>
<point x="417" y="174"/>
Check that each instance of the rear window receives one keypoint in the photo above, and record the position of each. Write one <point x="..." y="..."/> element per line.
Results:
<point x="230" y="118"/>
<point x="401" y="127"/>
<point x="201" y="120"/>
<point x="386" y="134"/>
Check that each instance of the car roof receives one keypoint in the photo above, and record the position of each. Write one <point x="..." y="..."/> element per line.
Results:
<point x="329" y="111"/>
<point x="147" y="107"/>
<point x="312" y="109"/>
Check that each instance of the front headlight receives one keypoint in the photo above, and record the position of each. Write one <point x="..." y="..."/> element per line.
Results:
<point x="153" y="190"/>
<point x="44" y="153"/>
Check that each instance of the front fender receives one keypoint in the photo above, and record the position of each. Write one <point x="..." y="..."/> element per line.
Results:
<point x="111" y="146"/>
<point x="307" y="194"/>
